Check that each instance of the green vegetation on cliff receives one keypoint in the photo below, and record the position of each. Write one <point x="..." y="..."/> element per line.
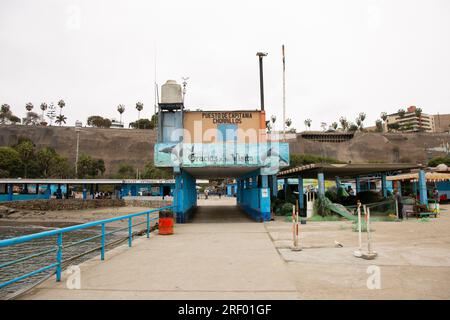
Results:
<point x="24" y="160"/>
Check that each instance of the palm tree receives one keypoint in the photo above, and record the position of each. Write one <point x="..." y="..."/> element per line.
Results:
<point x="273" y="118"/>
<point x="51" y="113"/>
<point x="379" y="125"/>
<point x="344" y="123"/>
<point x="139" y="107"/>
<point x="334" y="125"/>
<point x="5" y="112"/>
<point x="362" y="116"/>
<point x="360" y="120"/>
<point x="288" y="122"/>
<point x="418" y="113"/>
<point x="308" y="123"/>
<point x="121" y="109"/>
<point x="29" y="106"/>
<point x="61" y="104"/>
<point x="43" y="107"/>
<point x="384" y="117"/>
<point x="61" y="119"/>
<point x="32" y="118"/>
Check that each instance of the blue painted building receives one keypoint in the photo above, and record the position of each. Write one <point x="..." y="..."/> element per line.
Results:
<point x="217" y="144"/>
<point x="31" y="189"/>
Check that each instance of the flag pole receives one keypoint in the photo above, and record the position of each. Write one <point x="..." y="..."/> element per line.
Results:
<point x="284" y="94"/>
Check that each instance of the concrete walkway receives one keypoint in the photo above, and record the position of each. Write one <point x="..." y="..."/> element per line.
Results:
<point x="221" y="254"/>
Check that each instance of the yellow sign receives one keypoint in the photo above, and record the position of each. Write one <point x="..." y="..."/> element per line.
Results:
<point x="227" y="117"/>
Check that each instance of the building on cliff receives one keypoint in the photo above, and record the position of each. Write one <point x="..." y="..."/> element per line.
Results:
<point x="411" y="122"/>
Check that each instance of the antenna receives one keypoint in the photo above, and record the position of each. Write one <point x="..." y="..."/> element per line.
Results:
<point x="185" y="79"/>
<point x="156" y="107"/>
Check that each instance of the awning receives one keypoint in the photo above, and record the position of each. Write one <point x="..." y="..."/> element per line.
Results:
<point x="429" y="176"/>
<point x="347" y="170"/>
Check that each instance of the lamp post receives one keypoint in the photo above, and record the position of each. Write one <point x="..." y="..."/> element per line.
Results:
<point x="78" y="126"/>
<point x="261" y="76"/>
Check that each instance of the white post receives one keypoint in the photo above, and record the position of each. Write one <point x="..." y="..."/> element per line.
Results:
<point x="396" y="208"/>
<point x="293" y="227"/>
<point x="369" y="243"/>
<point x="296" y="224"/>
<point x="359" y="227"/>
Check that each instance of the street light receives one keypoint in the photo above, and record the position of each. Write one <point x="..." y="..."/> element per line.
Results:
<point x="261" y="82"/>
<point x="78" y="126"/>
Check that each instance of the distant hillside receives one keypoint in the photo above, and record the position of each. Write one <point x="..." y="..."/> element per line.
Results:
<point x="135" y="147"/>
<point x="115" y="146"/>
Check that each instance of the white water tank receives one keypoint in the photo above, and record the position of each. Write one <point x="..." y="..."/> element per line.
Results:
<point x="171" y="92"/>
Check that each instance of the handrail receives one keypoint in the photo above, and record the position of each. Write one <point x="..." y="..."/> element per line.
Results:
<point x="21" y="239"/>
<point x="59" y="241"/>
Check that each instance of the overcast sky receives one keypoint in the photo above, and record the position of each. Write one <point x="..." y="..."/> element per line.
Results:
<point x="342" y="57"/>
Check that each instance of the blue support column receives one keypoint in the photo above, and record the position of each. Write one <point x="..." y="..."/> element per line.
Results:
<point x="414" y="188"/>
<point x="301" y="204"/>
<point x="85" y="192"/>
<point x="368" y="184"/>
<point x="48" y="192"/>
<point x="178" y="199"/>
<point x="10" y="192"/>
<point x="357" y="185"/>
<point x="264" y="198"/>
<point x="423" y="187"/>
<point x="255" y="182"/>
<point x="383" y="185"/>
<point x="285" y="187"/>
<point x="59" y="191"/>
<point x="161" y="190"/>
<point x="274" y="185"/>
<point x="321" y="184"/>
<point x="133" y="190"/>
<point x="399" y="187"/>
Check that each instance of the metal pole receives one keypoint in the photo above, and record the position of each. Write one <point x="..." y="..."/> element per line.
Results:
<point x="284" y="95"/>
<point x="261" y="82"/>
<point x="130" y="234"/>
<point x="396" y="207"/>
<point x="59" y="256"/>
<point x="76" y="157"/>
<point x="261" y="77"/>
<point x="369" y="238"/>
<point x="148" y="225"/>
<point x="293" y="227"/>
<point x="359" y="227"/>
<point x="102" y="255"/>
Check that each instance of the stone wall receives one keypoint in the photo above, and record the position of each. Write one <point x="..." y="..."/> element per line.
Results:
<point x="79" y="204"/>
<point x="63" y="204"/>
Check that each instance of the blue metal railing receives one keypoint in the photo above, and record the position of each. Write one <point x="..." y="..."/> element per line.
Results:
<point x="57" y="265"/>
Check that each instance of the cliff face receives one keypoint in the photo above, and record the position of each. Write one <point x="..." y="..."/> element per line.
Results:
<point x="135" y="147"/>
<point x="379" y="147"/>
<point x="114" y="146"/>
